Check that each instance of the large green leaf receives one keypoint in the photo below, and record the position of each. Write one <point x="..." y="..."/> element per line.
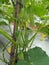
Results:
<point x="38" y="56"/>
<point x="22" y="62"/>
<point x="35" y="56"/>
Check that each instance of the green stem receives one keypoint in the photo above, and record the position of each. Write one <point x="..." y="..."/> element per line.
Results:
<point x="10" y="28"/>
<point x="4" y="61"/>
<point x="33" y="37"/>
<point x="5" y="47"/>
<point x="5" y="34"/>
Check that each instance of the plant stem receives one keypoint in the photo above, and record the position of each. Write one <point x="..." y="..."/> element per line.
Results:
<point x="5" y="34"/>
<point x="4" y="61"/>
<point x="17" y="10"/>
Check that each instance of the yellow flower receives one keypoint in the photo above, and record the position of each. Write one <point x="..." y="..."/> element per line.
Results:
<point x="9" y="50"/>
<point x="43" y="36"/>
